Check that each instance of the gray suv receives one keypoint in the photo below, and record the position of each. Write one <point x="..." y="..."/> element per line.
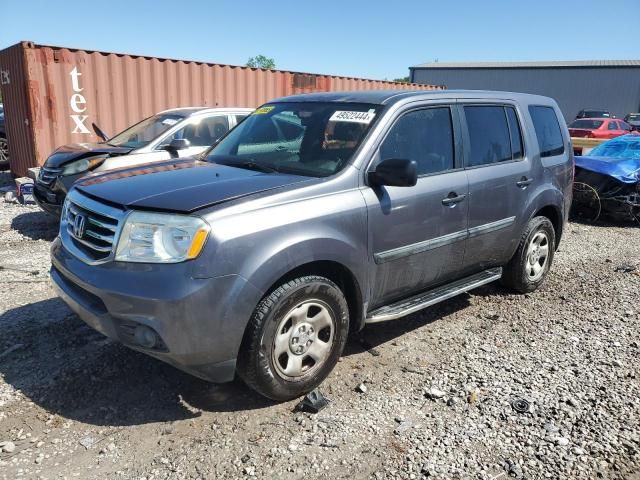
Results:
<point x="316" y="215"/>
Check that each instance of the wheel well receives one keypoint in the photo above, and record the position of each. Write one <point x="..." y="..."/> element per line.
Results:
<point x="555" y="217"/>
<point x="341" y="276"/>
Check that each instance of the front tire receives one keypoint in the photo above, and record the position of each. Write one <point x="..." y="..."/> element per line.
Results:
<point x="294" y="338"/>
<point x="530" y="265"/>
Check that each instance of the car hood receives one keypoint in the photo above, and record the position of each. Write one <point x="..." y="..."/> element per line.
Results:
<point x="623" y="169"/>
<point x="76" y="151"/>
<point x="181" y="185"/>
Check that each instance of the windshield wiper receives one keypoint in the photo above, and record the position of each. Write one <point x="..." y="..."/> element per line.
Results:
<point x="251" y="165"/>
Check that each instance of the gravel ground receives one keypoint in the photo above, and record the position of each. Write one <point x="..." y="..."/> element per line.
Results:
<point x="440" y="397"/>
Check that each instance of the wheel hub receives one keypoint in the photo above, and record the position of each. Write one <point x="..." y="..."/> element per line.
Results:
<point x="302" y="337"/>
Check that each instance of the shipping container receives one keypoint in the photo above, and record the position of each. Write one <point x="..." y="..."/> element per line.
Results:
<point x="53" y="95"/>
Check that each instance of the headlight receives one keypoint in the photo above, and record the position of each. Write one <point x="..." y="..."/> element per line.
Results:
<point x="82" y="165"/>
<point x="161" y="238"/>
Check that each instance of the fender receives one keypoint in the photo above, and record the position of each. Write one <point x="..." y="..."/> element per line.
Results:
<point x="263" y="271"/>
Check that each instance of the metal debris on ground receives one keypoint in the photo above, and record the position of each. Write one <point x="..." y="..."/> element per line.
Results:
<point x="520" y="405"/>
<point x="312" y="402"/>
<point x="87" y="442"/>
<point x="361" y="388"/>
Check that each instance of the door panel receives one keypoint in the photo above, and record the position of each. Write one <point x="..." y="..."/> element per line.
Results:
<point x="416" y="241"/>
<point x="499" y="183"/>
<point x="417" y="234"/>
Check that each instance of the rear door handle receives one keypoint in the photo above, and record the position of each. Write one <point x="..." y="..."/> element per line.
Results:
<point x="524" y="182"/>
<point x="452" y="199"/>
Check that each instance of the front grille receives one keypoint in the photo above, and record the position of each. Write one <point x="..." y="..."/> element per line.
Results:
<point x="48" y="175"/>
<point x="90" y="229"/>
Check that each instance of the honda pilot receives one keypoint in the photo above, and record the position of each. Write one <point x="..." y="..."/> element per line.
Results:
<point x="317" y="215"/>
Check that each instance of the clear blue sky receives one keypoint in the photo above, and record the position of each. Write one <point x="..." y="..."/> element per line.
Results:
<point x="370" y="39"/>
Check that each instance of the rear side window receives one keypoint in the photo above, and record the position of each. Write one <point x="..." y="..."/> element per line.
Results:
<point x="425" y="136"/>
<point x="613" y="126"/>
<point x="488" y="134"/>
<point x="548" y="130"/>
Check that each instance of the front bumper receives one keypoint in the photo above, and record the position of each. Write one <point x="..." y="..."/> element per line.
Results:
<point x="50" y="202"/>
<point x="200" y="322"/>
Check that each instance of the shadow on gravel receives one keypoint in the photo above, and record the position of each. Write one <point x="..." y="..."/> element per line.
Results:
<point x="605" y="222"/>
<point x="36" y="225"/>
<point x="379" y="333"/>
<point x="68" y="369"/>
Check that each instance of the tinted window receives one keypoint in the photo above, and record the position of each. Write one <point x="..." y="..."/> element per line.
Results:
<point x="241" y="116"/>
<point x="548" y="131"/>
<point x="594" y="114"/>
<point x="488" y="134"/>
<point x="588" y="124"/>
<point x="425" y="136"/>
<point x="515" y="132"/>
<point x="613" y="126"/>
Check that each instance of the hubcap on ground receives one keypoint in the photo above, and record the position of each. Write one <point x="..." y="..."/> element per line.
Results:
<point x="537" y="255"/>
<point x="303" y="339"/>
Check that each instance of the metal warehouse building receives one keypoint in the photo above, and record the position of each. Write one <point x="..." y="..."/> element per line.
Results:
<point x="612" y="85"/>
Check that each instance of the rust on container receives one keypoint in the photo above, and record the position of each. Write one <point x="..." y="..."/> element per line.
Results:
<point x="53" y="95"/>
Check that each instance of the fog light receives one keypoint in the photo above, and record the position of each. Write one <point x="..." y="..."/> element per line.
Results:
<point x="145" y="337"/>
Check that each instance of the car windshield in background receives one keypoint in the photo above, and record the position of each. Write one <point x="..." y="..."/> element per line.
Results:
<point x="634" y="118"/>
<point x="307" y="138"/>
<point x="588" y="124"/>
<point x="627" y="147"/>
<point x="141" y="134"/>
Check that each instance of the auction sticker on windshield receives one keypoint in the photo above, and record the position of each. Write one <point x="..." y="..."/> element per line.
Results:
<point x="352" y="116"/>
<point x="263" y="110"/>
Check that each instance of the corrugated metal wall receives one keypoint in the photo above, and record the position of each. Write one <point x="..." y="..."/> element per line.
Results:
<point x="616" y="89"/>
<point x="56" y="93"/>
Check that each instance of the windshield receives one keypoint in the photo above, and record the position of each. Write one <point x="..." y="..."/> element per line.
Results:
<point x="306" y="138"/>
<point x="589" y="124"/>
<point x="623" y="147"/>
<point x="633" y="118"/>
<point x="143" y="133"/>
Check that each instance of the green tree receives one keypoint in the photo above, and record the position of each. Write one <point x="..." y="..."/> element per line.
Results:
<point x="401" y="80"/>
<point x="260" y="61"/>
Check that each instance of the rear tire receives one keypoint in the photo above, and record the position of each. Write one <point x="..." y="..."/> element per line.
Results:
<point x="530" y="265"/>
<point x="294" y="338"/>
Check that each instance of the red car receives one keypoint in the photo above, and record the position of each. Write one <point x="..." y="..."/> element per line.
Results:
<point x="598" y="128"/>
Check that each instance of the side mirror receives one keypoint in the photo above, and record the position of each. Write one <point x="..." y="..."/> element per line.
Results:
<point x="395" y="172"/>
<point x="178" y="144"/>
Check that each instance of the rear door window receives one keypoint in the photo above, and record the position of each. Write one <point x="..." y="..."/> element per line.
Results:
<point x="488" y="134"/>
<point x="547" y="130"/>
<point x="425" y="136"/>
<point x="613" y="126"/>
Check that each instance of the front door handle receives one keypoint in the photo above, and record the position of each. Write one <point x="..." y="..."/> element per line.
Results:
<point x="524" y="182"/>
<point x="452" y="199"/>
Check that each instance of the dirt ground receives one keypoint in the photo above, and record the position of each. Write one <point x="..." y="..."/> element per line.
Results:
<point x="440" y="386"/>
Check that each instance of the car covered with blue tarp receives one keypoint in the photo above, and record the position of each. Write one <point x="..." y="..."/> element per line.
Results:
<point x="608" y="179"/>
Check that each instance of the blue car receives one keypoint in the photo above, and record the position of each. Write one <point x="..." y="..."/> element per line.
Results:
<point x="608" y="179"/>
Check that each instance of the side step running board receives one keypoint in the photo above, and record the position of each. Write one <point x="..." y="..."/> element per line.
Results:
<point x="431" y="297"/>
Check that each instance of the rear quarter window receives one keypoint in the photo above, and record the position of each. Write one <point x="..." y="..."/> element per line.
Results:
<point x="548" y="131"/>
